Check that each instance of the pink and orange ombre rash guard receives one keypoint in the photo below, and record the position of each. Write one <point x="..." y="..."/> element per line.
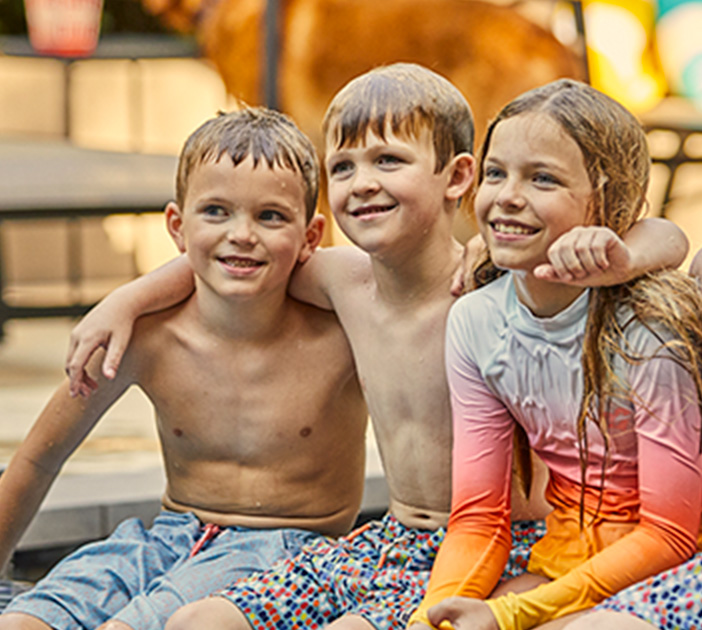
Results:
<point x="505" y="365"/>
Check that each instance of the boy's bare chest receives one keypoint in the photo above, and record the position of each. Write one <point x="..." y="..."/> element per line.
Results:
<point x="243" y="402"/>
<point x="399" y="358"/>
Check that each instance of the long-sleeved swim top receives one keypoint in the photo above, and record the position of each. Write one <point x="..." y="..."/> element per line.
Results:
<point x="505" y="365"/>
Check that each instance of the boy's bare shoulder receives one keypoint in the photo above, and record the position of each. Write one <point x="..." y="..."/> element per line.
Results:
<point x="150" y="329"/>
<point x="330" y="274"/>
<point x="156" y="335"/>
<point x="344" y="261"/>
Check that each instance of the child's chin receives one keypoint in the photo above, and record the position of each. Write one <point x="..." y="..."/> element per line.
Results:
<point x="511" y="262"/>
<point x="507" y="264"/>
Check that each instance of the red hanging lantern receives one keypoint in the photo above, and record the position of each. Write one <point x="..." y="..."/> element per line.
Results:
<point x="64" y="28"/>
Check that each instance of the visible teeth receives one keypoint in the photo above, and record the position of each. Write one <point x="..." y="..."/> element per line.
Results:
<point x="370" y="210"/>
<point x="512" y="229"/>
<point x="239" y="262"/>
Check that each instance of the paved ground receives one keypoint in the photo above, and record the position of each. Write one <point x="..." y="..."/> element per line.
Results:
<point x="31" y="367"/>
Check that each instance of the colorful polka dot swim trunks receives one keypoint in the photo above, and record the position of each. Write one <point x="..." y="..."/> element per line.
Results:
<point x="378" y="572"/>
<point x="671" y="600"/>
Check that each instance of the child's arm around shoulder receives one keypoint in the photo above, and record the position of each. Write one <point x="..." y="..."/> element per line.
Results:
<point x="596" y="256"/>
<point x="60" y="428"/>
<point x="109" y="324"/>
<point x="327" y="273"/>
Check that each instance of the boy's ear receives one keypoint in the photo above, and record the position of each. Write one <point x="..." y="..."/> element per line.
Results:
<point x="174" y="224"/>
<point x="313" y="237"/>
<point x="461" y="174"/>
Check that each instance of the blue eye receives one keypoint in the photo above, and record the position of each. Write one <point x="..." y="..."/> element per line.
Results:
<point x="545" y="179"/>
<point x="389" y="160"/>
<point x="272" y="216"/>
<point x="340" y="168"/>
<point x="492" y="173"/>
<point x="214" y="211"/>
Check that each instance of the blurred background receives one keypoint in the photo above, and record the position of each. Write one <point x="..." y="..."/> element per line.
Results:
<point x="155" y="69"/>
<point x="145" y="74"/>
<point x="97" y="97"/>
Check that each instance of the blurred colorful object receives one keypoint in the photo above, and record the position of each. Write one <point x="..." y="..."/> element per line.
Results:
<point x="63" y="28"/>
<point x="491" y="52"/>
<point x="679" y="35"/>
<point x="621" y="53"/>
<point x="641" y="50"/>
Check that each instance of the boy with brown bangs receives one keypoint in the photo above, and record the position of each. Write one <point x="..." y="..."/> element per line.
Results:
<point x="245" y="414"/>
<point x="399" y="143"/>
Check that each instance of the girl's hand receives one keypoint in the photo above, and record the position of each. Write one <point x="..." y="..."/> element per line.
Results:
<point x="463" y="613"/>
<point x="587" y="256"/>
<point x="109" y="325"/>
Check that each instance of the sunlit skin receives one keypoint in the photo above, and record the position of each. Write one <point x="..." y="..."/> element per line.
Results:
<point x="255" y="393"/>
<point x="535" y="192"/>
<point x="392" y="301"/>
<point x="386" y="196"/>
<point x="535" y="189"/>
<point x="241" y="227"/>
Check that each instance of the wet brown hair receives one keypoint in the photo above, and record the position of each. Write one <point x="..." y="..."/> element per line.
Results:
<point x="261" y="133"/>
<point x="404" y="98"/>
<point x="668" y="304"/>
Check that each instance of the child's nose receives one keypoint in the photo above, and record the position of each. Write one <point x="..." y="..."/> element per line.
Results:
<point x="242" y="231"/>
<point x="365" y="181"/>
<point x="511" y="195"/>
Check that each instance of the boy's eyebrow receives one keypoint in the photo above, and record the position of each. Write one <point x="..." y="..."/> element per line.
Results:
<point x="213" y="199"/>
<point x="335" y="155"/>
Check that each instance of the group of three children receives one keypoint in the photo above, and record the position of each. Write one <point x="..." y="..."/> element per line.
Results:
<point x="259" y="377"/>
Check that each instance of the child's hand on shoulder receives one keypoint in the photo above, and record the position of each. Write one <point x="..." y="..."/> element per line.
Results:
<point x="105" y="326"/>
<point x="587" y="256"/>
<point x="472" y="253"/>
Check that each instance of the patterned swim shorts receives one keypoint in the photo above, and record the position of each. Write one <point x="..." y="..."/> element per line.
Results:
<point x="378" y="572"/>
<point x="671" y="600"/>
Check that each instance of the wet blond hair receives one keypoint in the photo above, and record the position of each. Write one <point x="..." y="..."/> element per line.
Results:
<point x="265" y="135"/>
<point x="615" y="151"/>
<point x="404" y="98"/>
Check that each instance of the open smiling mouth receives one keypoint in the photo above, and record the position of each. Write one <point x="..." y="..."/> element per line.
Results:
<point x="366" y="210"/>
<point x="235" y="261"/>
<point x="512" y="228"/>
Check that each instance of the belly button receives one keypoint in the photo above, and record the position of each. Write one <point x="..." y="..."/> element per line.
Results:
<point x="304" y="432"/>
